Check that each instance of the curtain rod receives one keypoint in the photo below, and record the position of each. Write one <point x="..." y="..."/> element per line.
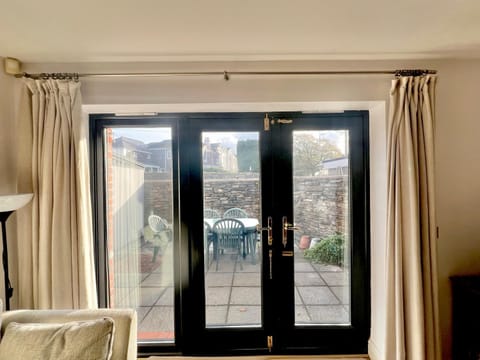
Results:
<point x="225" y="74"/>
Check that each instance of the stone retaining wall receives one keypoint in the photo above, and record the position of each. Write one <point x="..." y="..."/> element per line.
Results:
<point x="221" y="195"/>
<point x="321" y="205"/>
<point x="320" y="201"/>
<point x="158" y="196"/>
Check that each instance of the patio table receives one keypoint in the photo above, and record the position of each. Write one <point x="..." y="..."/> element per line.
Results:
<point x="250" y="225"/>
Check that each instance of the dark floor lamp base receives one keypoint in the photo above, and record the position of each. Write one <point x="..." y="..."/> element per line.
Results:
<point x="8" y="287"/>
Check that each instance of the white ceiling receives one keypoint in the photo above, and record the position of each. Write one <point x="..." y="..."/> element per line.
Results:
<point x="193" y="30"/>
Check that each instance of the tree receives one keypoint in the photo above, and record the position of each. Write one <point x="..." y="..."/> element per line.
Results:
<point x="309" y="153"/>
<point x="247" y="155"/>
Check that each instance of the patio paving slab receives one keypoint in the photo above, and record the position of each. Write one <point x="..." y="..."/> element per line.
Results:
<point x="327" y="268"/>
<point x="166" y="269"/>
<point x="317" y="295"/>
<point x="143" y="276"/>
<point x="218" y="295"/>
<point x="246" y="295"/>
<point x="342" y="293"/>
<point x="160" y="318"/>
<point x="219" y="279"/>
<point x="157" y="280"/>
<point x="248" y="267"/>
<point x="298" y="299"/>
<point x="328" y="314"/>
<point x="225" y="264"/>
<point x="149" y="295"/>
<point x="336" y="278"/>
<point x="216" y="315"/>
<point x="301" y="315"/>
<point x="244" y="315"/>
<point x="142" y="311"/>
<point x="299" y="257"/>
<point x="246" y="279"/>
<point x="303" y="267"/>
<point x="167" y="297"/>
<point x="233" y="295"/>
<point x="308" y="279"/>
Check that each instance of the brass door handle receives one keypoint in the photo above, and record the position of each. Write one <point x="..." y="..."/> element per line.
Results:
<point x="287" y="227"/>
<point x="267" y="228"/>
<point x="290" y="227"/>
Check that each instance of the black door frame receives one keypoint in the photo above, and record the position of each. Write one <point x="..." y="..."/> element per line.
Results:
<point x="351" y="339"/>
<point x="188" y="227"/>
<point x="336" y="339"/>
<point x="198" y="338"/>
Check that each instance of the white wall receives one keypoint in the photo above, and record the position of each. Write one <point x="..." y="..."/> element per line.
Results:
<point x="457" y="150"/>
<point x="7" y="126"/>
<point x="8" y="165"/>
<point x="458" y="179"/>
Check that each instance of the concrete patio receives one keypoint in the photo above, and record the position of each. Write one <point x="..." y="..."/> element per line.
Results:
<point x="233" y="295"/>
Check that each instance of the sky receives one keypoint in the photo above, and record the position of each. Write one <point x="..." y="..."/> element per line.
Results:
<point x="228" y="139"/>
<point x="148" y="135"/>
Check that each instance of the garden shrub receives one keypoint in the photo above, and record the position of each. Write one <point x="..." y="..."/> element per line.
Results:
<point x="328" y="250"/>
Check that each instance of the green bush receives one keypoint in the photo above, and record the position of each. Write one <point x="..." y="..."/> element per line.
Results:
<point x="328" y="250"/>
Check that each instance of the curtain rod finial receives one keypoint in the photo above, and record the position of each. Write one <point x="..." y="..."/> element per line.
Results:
<point x="12" y="66"/>
<point x="414" y="72"/>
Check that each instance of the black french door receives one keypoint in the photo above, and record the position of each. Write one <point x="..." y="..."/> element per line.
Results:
<point x="299" y="281"/>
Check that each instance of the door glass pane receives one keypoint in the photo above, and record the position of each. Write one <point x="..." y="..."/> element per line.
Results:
<point x="139" y="227"/>
<point x="231" y="190"/>
<point x="321" y="212"/>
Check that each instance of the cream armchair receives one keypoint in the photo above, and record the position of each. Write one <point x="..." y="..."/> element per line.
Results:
<point x="125" y="324"/>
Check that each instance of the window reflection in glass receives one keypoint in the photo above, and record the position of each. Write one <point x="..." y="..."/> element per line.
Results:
<point x="139" y="227"/>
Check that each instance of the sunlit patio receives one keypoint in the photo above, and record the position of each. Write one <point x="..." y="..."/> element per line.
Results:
<point x="233" y="294"/>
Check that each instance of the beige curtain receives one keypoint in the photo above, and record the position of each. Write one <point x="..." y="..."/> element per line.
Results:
<point x="55" y="263"/>
<point x="412" y="311"/>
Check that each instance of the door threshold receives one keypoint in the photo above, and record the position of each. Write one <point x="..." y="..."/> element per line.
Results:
<point x="265" y="357"/>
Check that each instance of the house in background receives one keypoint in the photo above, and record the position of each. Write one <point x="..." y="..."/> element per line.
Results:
<point x="131" y="149"/>
<point x="160" y="156"/>
<point x="153" y="157"/>
<point x="216" y="156"/>
<point x="274" y="36"/>
<point x="338" y="166"/>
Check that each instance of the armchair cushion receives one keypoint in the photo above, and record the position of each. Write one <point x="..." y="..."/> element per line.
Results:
<point x="91" y="339"/>
<point x="125" y="339"/>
